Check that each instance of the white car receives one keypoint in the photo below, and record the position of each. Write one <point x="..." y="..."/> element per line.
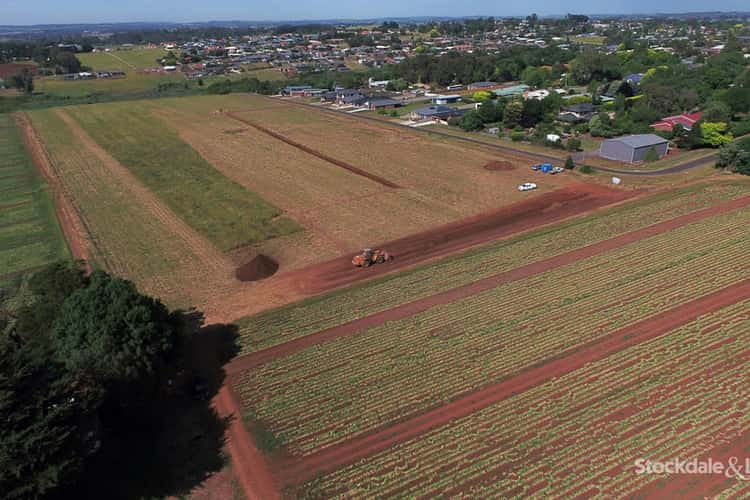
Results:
<point x="527" y="186"/>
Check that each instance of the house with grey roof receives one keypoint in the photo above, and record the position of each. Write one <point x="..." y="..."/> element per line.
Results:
<point x="437" y="113"/>
<point x="633" y="148"/>
<point x="515" y="90"/>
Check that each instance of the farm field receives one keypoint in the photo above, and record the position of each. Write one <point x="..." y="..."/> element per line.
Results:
<point x="320" y="396"/>
<point x="133" y="84"/>
<point x="298" y="320"/>
<point x="127" y="230"/>
<point x="223" y="211"/>
<point x="30" y="236"/>
<point x="333" y="203"/>
<point x="132" y="62"/>
<point x="581" y="433"/>
<point x="238" y="193"/>
<point x="441" y="172"/>
<point x="126" y="60"/>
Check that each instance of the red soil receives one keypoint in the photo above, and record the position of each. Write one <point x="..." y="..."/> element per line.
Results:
<point x="260" y="268"/>
<point x="10" y="69"/>
<point x="255" y="359"/>
<point x="67" y="216"/>
<point x="502" y="166"/>
<point x="701" y="486"/>
<point x="552" y="207"/>
<point x="381" y="439"/>
<point x="248" y="464"/>
<point x="318" y="154"/>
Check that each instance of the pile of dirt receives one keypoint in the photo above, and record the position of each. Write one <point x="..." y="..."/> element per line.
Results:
<point x="498" y="165"/>
<point x="260" y="268"/>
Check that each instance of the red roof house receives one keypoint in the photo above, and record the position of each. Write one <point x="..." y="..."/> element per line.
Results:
<point x="668" y="123"/>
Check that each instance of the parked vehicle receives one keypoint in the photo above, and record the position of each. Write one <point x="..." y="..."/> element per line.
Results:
<point x="527" y="186"/>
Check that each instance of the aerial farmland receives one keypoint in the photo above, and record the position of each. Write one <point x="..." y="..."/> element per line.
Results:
<point x="518" y="344"/>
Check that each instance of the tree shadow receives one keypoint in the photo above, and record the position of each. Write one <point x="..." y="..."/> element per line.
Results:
<point x="176" y="439"/>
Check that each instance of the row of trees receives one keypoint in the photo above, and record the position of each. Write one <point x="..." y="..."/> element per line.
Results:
<point x="95" y="385"/>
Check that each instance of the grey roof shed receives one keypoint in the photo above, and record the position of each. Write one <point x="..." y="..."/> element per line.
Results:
<point x="633" y="148"/>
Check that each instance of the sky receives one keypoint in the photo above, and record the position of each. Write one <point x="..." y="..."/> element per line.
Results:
<point x="24" y="12"/>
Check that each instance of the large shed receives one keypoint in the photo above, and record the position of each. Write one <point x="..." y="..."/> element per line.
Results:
<point x="633" y="148"/>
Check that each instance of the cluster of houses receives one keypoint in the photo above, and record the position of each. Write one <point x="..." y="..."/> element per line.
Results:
<point x="94" y="75"/>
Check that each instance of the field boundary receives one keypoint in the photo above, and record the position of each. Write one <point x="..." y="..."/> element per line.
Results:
<point x="71" y="223"/>
<point x="258" y="358"/>
<point x="675" y="169"/>
<point x="371" y="443"/>
<point x="346" y="166"/>
<point x="250" y="467"/>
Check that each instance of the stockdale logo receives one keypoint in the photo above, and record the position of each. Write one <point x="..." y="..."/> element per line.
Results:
<point x="732" y="468"/>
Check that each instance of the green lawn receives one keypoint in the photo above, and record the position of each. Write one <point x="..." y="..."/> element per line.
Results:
<point x="266" y="74"/>
<point x="128" y="61"/>
<point x="131" y="84"/>
<point x="225" y="212"/>
<point x="591" y="40"/>
<point x="29" y="233"/>
<point x="125" y="59"/>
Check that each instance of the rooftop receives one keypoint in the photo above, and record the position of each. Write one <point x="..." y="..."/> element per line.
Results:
<point x="640" y="140"/>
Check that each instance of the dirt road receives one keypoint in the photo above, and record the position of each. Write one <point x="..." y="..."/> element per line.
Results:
<point x="72" y="226"/>
<point x="451" y="238"/>
<point x="249" y="465"/>
<point x="405" y="310"/>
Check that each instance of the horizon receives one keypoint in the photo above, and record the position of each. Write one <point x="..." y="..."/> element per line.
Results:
<point x="43" y="12"/>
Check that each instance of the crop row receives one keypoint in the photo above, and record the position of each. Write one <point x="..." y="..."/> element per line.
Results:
<point x="677" y="396"/>
<point x="125" y="237"/>
<point x="29" y="233"/>
<point x="287" y="323"/>
<point x="320" y="396"/>
<point x="220" y="209"/>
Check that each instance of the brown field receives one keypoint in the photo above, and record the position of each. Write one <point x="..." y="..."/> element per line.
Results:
<point x="444" y="371"/>
<point x="298" y="168"/>
<point x="440" y="181"/>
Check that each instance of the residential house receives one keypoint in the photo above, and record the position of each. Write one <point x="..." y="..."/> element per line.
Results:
<point x="295" y="90"/>
<point x="446" y="99"/>
<point x="436" y="113"/>
<point x="686" y="120"/>
<point x="482" y="85"/>
<point x="577" y="113"/>
<point x="375" y="104"/>
<point x="515" y="90"/>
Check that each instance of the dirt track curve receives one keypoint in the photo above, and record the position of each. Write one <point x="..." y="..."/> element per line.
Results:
<point x="381" y="439"/>
<point x="444" y="240"/>
<point x="317" y="154"/>
<point x="249" y="465"/>
<point x="403" y="311"/>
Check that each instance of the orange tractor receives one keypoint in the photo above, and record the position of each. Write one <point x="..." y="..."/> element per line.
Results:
<point x="369" y="257"/>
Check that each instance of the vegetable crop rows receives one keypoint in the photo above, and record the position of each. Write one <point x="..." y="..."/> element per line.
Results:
<point x="325" y="394"/>
<point x="287" y="323"/>
<point x="678" y="396"/>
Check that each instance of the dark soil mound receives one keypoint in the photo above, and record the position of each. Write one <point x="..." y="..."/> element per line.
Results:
<point x="500" y="165"/>
<point x="260" y="268"/>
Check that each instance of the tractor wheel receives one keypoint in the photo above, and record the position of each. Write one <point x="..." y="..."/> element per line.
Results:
<point x="367" y="263"/>
<point x="381" y="259"/>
